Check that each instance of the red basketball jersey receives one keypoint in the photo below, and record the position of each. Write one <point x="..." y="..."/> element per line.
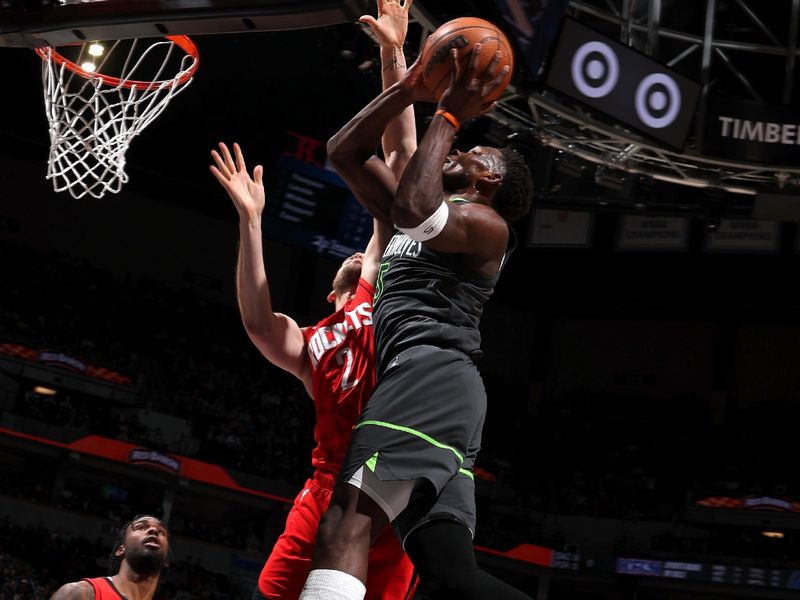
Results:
<point x="341" y="353"/>
<point x="104" y="589"/>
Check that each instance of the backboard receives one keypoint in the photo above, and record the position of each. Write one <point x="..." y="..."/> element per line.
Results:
<point x="39" y="23"/>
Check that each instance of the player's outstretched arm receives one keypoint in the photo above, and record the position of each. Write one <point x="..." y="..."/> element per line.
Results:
<point x="399" y="139"/>
<point x="382" y="233"/>
<point x="276" y="335"/>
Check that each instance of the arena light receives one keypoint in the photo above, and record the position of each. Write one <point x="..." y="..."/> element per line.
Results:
<point x="44" y="391"/>
<point x="775" y="535"/>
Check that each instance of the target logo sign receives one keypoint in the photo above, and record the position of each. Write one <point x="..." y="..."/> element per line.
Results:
<point x="595" y="69"/>
<point x="624" y="84"/>
<point x="658" y="100"/>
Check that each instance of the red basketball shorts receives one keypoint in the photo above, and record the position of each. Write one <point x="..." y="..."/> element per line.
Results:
<point x="390" y="575"/>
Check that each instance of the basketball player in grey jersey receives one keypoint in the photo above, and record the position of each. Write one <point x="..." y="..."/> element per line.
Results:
<point x="411" y="454"/>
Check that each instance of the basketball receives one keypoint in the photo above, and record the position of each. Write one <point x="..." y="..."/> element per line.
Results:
<point x="462" y="34"/>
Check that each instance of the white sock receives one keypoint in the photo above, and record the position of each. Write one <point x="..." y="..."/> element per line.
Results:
<point x="328" y="584"/>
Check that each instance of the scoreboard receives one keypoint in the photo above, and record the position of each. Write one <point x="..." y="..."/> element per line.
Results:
<point x="773" y="578"/>
<point x="689" y="571"/>
<point x="715" y="573"/>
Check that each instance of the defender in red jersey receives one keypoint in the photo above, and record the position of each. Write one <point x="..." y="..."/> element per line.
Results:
<point x="138" y="560"/>
<point x="341" y="358"/>
<point x="335" y="359"/>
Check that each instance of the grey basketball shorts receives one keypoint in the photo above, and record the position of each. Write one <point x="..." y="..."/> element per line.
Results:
<point x="423" y="422"/>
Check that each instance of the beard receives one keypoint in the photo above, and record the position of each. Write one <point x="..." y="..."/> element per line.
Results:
<point x="146" y="561"/>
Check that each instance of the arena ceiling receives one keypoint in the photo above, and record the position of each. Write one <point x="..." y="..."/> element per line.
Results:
<point x="254" y="87"/>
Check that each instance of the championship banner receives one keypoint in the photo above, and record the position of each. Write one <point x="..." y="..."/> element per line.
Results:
<point x="752" y="131"/>
<point x="560" y="229"/>
<point x="653" y="233"/>
<point x="630" y="87"/>
<point x="744" y="236"/>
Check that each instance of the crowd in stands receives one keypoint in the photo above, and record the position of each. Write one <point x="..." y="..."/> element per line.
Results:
<point x="593" y="454"/>
<point x="192" y="356"/>
<point x="35" y="483"/>
<point x="21" y="549"/>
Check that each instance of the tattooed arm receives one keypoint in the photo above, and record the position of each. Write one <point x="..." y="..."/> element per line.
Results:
<point x="78" y="590"/>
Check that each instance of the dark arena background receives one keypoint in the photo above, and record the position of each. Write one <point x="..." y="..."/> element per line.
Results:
<point x="642" y="350"/>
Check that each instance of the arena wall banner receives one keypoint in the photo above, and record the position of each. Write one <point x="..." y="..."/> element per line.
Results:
<point x="780" y="504"/>
<point x="752" y="131"/>
<point x="63" y="360"/>
<point x="175" y="464"/>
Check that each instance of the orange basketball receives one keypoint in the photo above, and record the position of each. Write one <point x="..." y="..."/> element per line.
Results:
<point x="463" y="33"/>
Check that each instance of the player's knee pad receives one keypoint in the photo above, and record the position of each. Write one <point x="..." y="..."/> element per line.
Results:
<point x="443" y="556"/>
<point x="449" y="581"/>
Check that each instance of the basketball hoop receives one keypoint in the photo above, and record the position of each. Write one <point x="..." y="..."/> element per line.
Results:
<point x="93" y="116"/>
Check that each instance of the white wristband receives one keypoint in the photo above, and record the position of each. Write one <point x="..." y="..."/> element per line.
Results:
<point x="430" y="227"/>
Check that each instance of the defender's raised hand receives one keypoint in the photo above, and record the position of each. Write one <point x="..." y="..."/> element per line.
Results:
<point x="247" y="193"/>
<point x="391" y="26"/>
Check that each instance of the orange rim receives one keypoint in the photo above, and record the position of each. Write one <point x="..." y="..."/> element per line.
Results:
<point x="183" y="41"/>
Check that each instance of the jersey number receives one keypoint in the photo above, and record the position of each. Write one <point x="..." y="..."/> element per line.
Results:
<point x="384" y="266"/>
<point x="345" y="357"/>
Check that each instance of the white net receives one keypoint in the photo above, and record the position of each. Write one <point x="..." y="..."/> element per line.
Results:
<point x="94" y="117"/>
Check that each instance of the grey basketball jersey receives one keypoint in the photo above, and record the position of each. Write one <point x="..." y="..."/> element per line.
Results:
<point x="424" y="297"/>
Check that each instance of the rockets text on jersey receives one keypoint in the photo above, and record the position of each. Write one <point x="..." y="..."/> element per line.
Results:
<point x="329" y="337"/>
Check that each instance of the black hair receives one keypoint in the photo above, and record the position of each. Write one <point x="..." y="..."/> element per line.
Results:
<point x="513" y="198"/>
<point x="114" y="561"/>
